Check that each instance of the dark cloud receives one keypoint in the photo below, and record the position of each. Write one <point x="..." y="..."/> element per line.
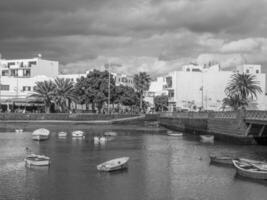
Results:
<point x="82" y="30"/>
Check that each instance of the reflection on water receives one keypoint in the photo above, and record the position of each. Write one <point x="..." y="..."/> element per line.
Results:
<point x="160" y="167"/>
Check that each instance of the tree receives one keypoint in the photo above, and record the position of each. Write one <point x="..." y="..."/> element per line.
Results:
<point x="94" y="88"/>
<point x="125" y="95"/>
<point x="64" y="93"/>
<point x="161" y="102"/>
<point x="234" y="102"/>
<point x="141" y="83"/>
<point x="240" y="88"/>
<point x="44" y="90"/>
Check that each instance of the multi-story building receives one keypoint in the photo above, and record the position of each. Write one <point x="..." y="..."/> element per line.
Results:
<point x="72" y="77"/>
<point x="123" y="79"/>
<point x="203" y="87"/>
<point x="157" y="88"/>
<point x="26" y="68"/>
<point x="18" y="76"/>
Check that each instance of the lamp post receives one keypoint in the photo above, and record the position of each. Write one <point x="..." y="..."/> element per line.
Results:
<point x="108" y="86"/>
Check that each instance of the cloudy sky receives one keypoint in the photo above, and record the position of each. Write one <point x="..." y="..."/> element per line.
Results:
<point x="156" y="36"/>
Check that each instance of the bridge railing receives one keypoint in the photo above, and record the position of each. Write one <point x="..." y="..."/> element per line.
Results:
<point x="248" y="115"/>
<point x="224" y="115"/>
<point x="256" y="115"/>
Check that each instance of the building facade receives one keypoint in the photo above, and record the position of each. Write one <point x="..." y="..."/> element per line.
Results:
<point x="18" y="76"/>
<point x="198" y="87"/>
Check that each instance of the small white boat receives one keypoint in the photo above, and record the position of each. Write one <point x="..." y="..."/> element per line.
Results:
<point x="259" y="164"/>
<point x="96" y="140"/>
<point x="102" y="139"/>
<point x="249" y="170"/>
<point x="175" y="134"/>
<point x="62" y="134"/>
<point x="37" y="160"/>
<point x="40" y="134"/>
<point x="19" y="130"/>
<point x="207" y="138"/>
<point x="224" y="160"/>
<point x="115" y="164"/>
<point x="110" y="133"/>
<point x="77" y="134"/>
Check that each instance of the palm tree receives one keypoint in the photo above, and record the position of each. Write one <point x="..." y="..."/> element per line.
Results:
<point x="242" y="87"/>
<point x="44" y="90"/>
<point x="63" y="92"/>
<point x="234" y="102"/>
<point x="141" y="83"/>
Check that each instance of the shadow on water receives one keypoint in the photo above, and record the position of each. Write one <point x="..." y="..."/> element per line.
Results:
<point x="116" y="172"/>
<point x="240" y="178"/>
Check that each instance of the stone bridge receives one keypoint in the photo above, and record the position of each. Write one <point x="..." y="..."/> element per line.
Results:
<point x="244" y="124"/>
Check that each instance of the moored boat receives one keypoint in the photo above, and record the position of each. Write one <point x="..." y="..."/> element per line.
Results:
<point x="249" y="170"/>
<point x="37" y="160"/>
<point x="40" y="134"/>
<point x="257" y="163"/>
<point x="225" y="160"/>
<point x="110" y="133"/>
<point x="62" y="134"/>
<point x="175" y="134"/>
<point x="19" y="130"/>
<point x="207" y="138"/>
<point x="77" y="133"/>
<point x="113" y="165"/>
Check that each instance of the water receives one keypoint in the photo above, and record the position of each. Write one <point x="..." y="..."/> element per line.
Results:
<point x="161" y="167"/>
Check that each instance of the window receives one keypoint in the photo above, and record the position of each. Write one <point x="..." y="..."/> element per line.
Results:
<point x="188" y="69"/>
<point x="4" y="87"/>
<point x="26" y="72"/>
<point x="171" y="93"/>
<point x="257" y="71"/>
<point x="32" y="63"/>
<point x="5" y="73"/>
<point x="10" y="63"/>
<point x="26" y="88"/>
<point x="247" y="71"/>
<point x="14" y="72"/>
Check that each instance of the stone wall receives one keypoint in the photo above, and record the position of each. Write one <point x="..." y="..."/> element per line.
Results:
<point x="60" y="116"/>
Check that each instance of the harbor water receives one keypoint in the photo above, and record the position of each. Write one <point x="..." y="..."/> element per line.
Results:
<point x="160" y="167"/>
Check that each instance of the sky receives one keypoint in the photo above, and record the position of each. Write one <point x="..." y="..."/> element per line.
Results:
<point x="155" y="36"/>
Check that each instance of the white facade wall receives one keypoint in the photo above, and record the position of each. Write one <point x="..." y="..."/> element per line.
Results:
<point x="73" y="77"/>
<point x="194" y="88"/>
<point x="33" y="66"/>
<point x="156" y="88"/>
<point x="18" y="87"/>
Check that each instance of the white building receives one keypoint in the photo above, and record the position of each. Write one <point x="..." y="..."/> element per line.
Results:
<point x="26" y="68"/>
<point x="18" y="76"/>
<point x="200" y="87"/>
<point x="123" y="79"/>
<point x="72" y="77"/>
<point x="157" y="88"/>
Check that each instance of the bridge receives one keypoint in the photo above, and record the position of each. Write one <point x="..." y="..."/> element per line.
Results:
<point x="247" y="124"/>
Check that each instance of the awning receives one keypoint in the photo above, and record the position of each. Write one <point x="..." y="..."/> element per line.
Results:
<point x="22" y="101"/>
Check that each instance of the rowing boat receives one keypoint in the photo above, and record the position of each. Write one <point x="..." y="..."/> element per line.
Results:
<point x="249" y="170"/>
<point x="113" y="165"/>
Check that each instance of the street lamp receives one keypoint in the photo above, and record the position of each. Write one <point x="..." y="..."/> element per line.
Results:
<point x="108" y="86"/>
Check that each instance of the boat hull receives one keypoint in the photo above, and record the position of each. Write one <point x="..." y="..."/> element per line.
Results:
<point x="243" y="170"/>
<point x="224" y="160"/>
<point x="40" y="137"/>
<point x="114" y="165"/>
<point x="77" y="134"/>
<point x="37" y="160"/>
<point x="40" y="134"/>
<point x="207" y="138"/>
